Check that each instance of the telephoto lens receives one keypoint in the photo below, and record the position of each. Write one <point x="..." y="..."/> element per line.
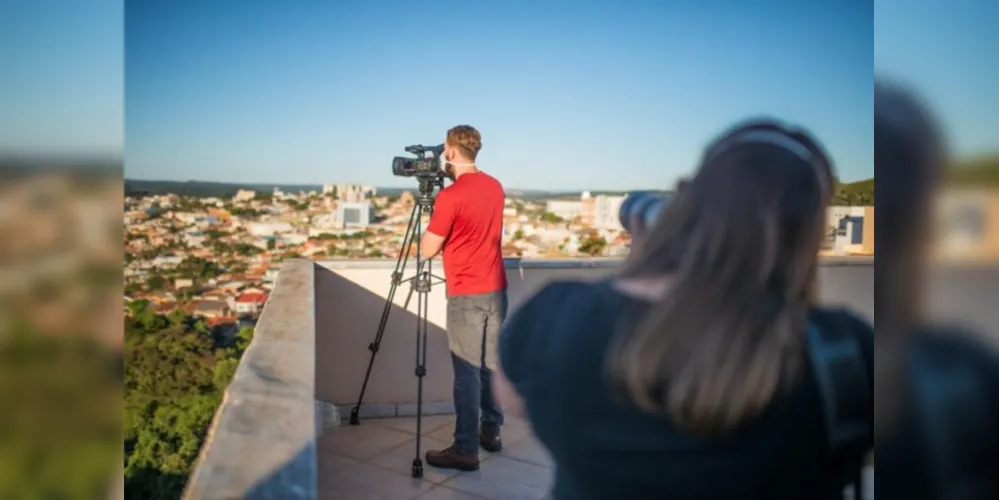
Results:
<point x="639" y="211"/>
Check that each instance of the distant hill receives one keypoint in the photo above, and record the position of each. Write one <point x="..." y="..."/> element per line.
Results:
<point x="852" y="193"/>
<point x="204" y="189"/>
<point x="982" y="171"/>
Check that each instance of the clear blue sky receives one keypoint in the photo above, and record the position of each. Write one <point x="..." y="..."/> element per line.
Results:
<point x="62" y="77"/>
<point x="948" y="48"/>
<point x="570" y="95"/>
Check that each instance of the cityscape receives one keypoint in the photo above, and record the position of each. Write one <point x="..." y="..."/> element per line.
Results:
<point x="254" y="236"/>
<point x="217" y="257"/>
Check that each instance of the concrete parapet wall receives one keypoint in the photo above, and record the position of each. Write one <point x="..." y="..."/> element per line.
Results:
<point x="351" y="296"/>
<point x="262" y="443"/>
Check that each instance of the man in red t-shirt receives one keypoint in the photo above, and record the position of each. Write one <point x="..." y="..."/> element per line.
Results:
<point x="467" y="225"/>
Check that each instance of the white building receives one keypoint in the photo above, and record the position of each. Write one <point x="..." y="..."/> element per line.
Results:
<point x="271" y="275"/>
<point x="846" y="229"/>
<point x="244" y="195"/>
<point x="355" y="194"/>
<point x="606" y="212"/>
<point x="268" y="228"/>
<point x="354" y="214"/>
<point x="294" y="239"/>
<point x="167" y="261"/>
<point x="566" y="209"/>
<point x="194" y="239"/>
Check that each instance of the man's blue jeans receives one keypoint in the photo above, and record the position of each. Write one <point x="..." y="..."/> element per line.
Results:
<point x="473" y="327"/>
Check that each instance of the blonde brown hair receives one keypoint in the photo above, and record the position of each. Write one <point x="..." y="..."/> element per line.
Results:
<point x="740" y="246"/>
<point x="909" y="157"/>
<point x="466" y="139"/>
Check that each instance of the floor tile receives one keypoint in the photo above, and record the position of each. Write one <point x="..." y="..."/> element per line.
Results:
<point x="442" y="433"/>
<point x="512" y="432"/>
<point x="515" y="430"/>
<point x="445" y="493"/>
<point x="528" y="450"/>
<point x="408" y="424"/>
<point x="500" y="478"/>
<point x="330" y="463"/>
<point x="361" y="442"/>
<point x="400" y="460"/>
<point x="367" y="482"/>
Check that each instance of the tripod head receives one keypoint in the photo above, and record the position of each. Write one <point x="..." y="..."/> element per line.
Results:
<point x="427" y="185"/>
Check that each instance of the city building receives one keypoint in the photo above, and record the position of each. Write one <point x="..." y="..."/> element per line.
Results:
<point x="212" y="309"/>
<point x="250" y="302"/>
<point x="845" y="233"/>
<point x="566" y="209"/>
<point x="354" y="193"/>
<point x="969" y="221"/>
<point x="354" y="214"/>
<point x="268" y="228"/>
<point x="606" y="212"/>
<point x="244" y="195"/>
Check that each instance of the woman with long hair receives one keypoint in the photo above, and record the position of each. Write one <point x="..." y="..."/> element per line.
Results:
<point x="936" y="417"/>
<point x="685" y="374"/>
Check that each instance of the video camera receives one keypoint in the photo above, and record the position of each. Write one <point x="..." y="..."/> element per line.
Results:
<point x="640" y="209"/>
<point x="421" y="166"/>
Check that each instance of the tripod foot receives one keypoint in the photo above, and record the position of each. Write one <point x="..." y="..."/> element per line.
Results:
<point x="417" y="468"/>
<point x="354" y="420"/>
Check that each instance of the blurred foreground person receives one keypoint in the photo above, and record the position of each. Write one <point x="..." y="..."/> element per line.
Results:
<point x="686" y="375"/>
<point x="937" y="387"/>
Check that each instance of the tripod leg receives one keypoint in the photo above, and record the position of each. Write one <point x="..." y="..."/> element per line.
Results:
<point x="422" y="287"/>
<point x="411" y="231"/>
<point x="422" y="302"/>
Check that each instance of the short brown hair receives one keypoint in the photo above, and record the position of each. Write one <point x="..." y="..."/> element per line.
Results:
<point x="466" y="139"/>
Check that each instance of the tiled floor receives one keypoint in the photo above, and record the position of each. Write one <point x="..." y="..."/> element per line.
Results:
<point x="374" y="461"/>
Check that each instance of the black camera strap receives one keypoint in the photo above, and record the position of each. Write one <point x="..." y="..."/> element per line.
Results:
<point x="847" y="402"/>
<point x="959" y="436"/>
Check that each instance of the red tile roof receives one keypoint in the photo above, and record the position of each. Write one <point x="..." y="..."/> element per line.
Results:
<point x="222" y="320"/>
<point x="258" y="298"/>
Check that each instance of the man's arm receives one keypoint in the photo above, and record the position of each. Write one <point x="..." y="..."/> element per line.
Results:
<point x="431" y="244"/>
<point x="441" y="222"/>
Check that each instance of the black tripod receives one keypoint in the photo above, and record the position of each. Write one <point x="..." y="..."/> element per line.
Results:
<point x="420" y="284"/>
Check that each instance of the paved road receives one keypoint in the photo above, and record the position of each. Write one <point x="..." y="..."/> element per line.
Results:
<point x="967" y="295"/>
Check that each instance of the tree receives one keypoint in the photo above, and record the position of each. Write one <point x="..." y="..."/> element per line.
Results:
<point x="551" y="218"/>
<point x="137" y="306"/>
<point x="175" y="374"/>
<point x="593" y="245"/>
<point x="859" y="193"/>
<point x="197" y="268"/>
<point x="271" y="244"/>
<point x="518" y="235"/>
<point x="156" y="282"/>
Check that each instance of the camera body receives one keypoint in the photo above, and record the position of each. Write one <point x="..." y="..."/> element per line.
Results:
<point x="421" y="166"/>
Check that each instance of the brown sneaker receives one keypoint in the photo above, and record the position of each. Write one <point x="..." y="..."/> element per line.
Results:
<point x="449" y="458"/>
<point x="491" y="441"/>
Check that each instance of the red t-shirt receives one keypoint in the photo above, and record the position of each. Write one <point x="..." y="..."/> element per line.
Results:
<point x="469" y="215"/>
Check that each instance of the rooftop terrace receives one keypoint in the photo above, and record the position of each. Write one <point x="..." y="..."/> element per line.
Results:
<point x="278" y="433"/>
